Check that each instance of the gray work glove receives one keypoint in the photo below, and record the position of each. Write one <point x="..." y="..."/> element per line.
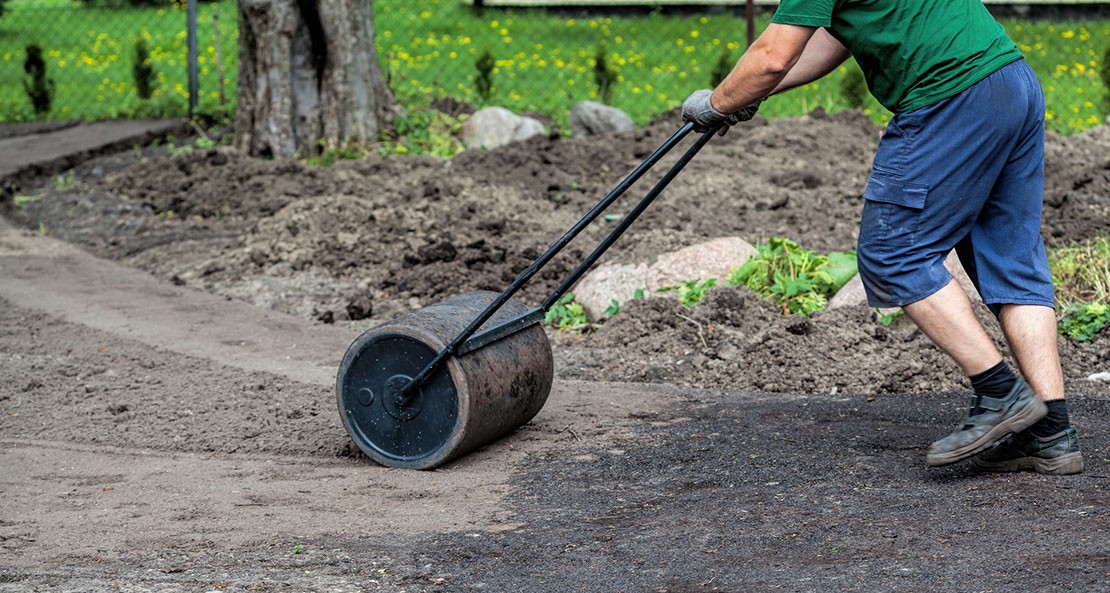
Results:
<point x="697" y="109"/>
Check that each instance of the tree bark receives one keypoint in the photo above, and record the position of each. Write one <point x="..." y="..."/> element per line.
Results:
<point x="309" y="77"/>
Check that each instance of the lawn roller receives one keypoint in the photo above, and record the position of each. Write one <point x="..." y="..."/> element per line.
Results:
<point x="439" y="382"/>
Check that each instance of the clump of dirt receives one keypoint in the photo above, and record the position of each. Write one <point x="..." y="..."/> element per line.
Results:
<point x="364" y="241"/>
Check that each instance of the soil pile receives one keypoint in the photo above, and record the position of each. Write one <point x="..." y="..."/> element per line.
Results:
<point x="363" y="241"/>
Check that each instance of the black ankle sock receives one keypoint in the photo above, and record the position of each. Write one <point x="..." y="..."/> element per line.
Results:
<point x="996" y="381"/>
<point x="1055" y="421"/>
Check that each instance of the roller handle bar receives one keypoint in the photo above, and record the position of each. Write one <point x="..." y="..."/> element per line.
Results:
<point x="463" y="342"/>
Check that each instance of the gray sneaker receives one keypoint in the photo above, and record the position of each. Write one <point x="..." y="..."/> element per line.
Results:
<point x="997" y="419"/>
<point x="1055" y="455"/>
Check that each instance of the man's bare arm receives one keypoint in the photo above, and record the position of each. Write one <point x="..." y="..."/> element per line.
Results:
<point x="762" y="68"/>
<point x="822" y="55"/>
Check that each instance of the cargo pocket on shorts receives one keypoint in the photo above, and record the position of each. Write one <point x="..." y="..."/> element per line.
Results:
<point x="892" y="209"/>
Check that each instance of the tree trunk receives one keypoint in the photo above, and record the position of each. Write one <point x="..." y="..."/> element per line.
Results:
<point x="308" y="77"/>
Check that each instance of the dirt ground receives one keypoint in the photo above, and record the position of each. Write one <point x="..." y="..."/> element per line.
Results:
<point x="172" y="323"/>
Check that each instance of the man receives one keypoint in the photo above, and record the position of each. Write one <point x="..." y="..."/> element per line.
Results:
<point x="960" y="166"/>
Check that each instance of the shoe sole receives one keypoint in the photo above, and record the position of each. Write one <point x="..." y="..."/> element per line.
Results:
<point x="1024" y="418"/>
<point x="1066" y="464"/>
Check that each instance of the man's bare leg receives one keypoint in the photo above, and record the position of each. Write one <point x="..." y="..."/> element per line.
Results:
<point x="1008" y="406"/>
<point x="947" y="318"/>
<point x="1051" y="446"/>
<point x="1031" y="333"/>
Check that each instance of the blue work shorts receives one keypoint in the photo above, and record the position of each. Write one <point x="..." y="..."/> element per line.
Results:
<point x="966" y="173"/>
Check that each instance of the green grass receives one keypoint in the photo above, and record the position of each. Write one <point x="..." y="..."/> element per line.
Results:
<point x="544" y="61"/>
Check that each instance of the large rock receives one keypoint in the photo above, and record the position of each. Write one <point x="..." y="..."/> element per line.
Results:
<point x="497" y="126"/>
<point x="589" y="118"/>
<point x="852" y="293"/>
<point x="712" y="259"/>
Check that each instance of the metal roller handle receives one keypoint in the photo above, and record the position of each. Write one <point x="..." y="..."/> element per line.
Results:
<point x="527" y="319"/>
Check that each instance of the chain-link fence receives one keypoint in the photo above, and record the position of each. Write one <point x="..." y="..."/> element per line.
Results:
<point x="642" y="59"/>
<point x="101" y="59"/>
<point x="97" y="59"/>
<point x="128" y="58"/>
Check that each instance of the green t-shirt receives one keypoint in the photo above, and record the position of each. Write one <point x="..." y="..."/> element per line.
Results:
<point x="912" y="52"/>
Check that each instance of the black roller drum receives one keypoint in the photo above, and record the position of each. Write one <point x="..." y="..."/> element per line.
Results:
<point x="470" y="401"/>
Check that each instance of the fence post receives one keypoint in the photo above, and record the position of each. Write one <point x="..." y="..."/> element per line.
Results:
<point x="191" y="34"/>
<point x="749" y="15"/>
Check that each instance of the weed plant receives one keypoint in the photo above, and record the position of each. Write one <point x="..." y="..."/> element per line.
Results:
<point x="567" y="314"/>
<point x="691" y="292"/>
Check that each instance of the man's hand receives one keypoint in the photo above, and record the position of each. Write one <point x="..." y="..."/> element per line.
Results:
<point x="697" y="109"/>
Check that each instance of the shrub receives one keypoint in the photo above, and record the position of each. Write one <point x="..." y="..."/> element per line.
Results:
<point x="484" y="82"/>
<point x="142" y="71"/>
<point x="722" y="68"/>
<point x="604" y="76"/>
<point x="39" y="89"/>
<point x="853" y="87"/>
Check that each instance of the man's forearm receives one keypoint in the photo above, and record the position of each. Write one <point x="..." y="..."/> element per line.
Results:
<point x="783" y="57"/>
<point x="822" y="55"/>
<point x="762" y="68"/>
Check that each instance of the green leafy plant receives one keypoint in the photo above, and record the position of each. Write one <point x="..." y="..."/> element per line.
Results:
<point x="853" y="87"/>
<point x="888" y="318"/>
<point x="604" y="76"/>
<point x="566" y="314"/>
<point x="65" y="182"/>
<point x="297" y="549"/>
<point x="1082" y="321"/>
<point x="483" y="83"/>
<point x="21" y="201"/>
<point x="425" y="131"/>
<point x="798" y="280"/>
<point x="143" y="72"/>
<point x="690" y="292"/>
<point x="613" y="308"/>
<point x="39" y="88"/>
